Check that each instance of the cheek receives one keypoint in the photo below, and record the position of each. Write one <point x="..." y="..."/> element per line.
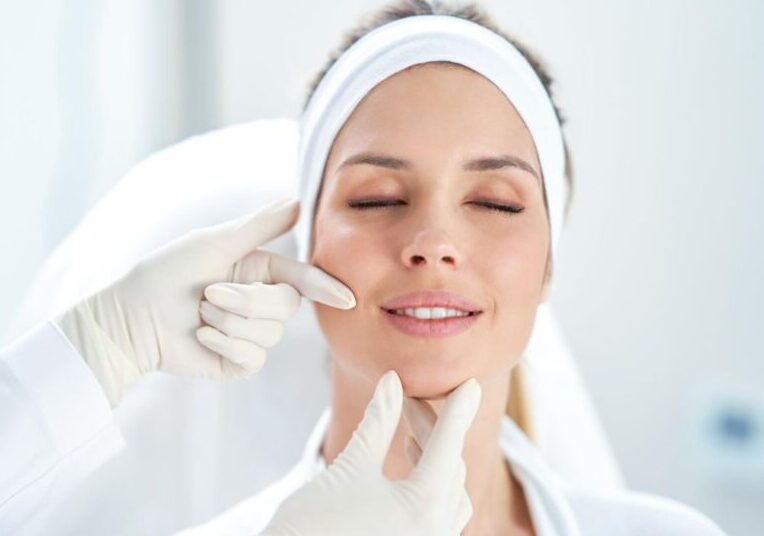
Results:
<point x="356" y="257"/>
<point x="515" y="273"/>
<point x="516" y="268"/>
<point x="347" y="252"/>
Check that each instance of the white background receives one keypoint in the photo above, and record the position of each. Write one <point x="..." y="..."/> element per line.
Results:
<point x="660" y="286"/>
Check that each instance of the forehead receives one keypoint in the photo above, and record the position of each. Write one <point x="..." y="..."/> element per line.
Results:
<point x="434" y="108"/>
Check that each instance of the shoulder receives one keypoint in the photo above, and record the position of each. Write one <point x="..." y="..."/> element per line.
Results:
<point x="627" y="513"/>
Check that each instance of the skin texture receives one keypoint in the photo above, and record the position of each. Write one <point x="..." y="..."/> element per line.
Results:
<point x="435" y="235"/>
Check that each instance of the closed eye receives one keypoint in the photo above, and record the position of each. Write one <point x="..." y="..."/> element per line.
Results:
<point x="375" y="203"/>
<point x="381" y="203"/>
<point x="512" y="209"/>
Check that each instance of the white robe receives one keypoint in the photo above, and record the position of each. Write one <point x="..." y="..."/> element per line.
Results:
<point x="556" y="508"/>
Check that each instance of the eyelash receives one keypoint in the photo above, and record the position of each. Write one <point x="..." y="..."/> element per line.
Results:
<point x="378" y="203"/>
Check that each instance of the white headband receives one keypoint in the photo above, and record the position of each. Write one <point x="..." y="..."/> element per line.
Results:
<point x="397" y="45"/>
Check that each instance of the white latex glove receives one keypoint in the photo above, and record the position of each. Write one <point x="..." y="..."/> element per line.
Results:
<point x="353" y="496"/>
<point x="150" y="319"/>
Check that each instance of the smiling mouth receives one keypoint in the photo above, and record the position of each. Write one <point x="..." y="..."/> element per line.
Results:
<point x="431" y="321"/>
<point x="431" y="313"/>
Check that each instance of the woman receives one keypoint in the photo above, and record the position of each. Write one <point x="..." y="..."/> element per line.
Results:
<point x="437" y="206"/>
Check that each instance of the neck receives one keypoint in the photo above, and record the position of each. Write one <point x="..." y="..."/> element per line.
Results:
<point x="497" y="498"/>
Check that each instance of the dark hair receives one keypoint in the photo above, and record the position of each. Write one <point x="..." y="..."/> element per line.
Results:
<point x="401" y="9"/>
<point x="518" y="405"/>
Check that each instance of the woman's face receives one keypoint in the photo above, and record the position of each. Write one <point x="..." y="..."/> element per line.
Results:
<point x="435" y="231"/>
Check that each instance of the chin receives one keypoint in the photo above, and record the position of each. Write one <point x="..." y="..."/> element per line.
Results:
<point x="431" y="381"/>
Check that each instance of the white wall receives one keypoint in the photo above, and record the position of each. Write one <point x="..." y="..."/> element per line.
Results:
<point x="660" y="285"/>
<point x="88" y="88"/>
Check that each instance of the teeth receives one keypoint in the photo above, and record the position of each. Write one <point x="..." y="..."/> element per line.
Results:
<point x="426" y="313"/>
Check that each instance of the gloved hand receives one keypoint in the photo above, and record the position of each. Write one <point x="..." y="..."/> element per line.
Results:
<point x="150" y="319"/>
<point x="352" y="496"/>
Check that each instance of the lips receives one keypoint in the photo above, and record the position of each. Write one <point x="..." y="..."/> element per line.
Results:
<point x="432" y="298"/>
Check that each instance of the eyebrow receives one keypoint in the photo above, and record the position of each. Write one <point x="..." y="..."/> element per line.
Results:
<point x="478" y="164"/>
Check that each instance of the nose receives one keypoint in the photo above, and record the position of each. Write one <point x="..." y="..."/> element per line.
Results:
<point x="430" y="247"/>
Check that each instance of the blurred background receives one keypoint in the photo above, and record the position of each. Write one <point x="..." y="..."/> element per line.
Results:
<point x="659" y="289"/>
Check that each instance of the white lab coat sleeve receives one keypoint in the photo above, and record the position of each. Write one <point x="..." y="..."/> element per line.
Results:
<point x="56" y="423"/>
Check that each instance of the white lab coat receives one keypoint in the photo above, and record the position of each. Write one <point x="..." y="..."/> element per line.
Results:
<point x="180" y="451"/>
<point x="557" y="508"/>
<point x="44" y="383"/>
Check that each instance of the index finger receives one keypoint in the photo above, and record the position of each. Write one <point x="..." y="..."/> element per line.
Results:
<point x="310" y="281"/>
<point x="444" y="446"/>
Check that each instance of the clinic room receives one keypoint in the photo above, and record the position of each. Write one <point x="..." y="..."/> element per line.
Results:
<point x="382" y="267"/>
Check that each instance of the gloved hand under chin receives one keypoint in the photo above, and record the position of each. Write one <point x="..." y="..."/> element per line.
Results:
<point x="353" y="496"/>
<point x="151" y="318"/>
